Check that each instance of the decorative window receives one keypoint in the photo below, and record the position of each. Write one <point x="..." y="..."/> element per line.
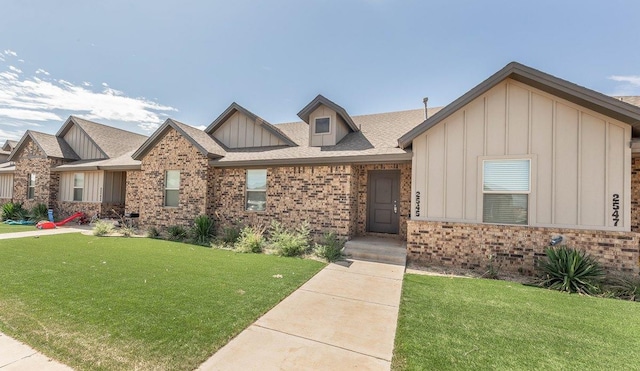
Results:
<point x="323" y="125"/>
<point x="256" y="190"/>
<point x="506" y="188"/>
<point x="171" y="188"/>
<point x="31" y="187"/>
<point x="78" y="186"/>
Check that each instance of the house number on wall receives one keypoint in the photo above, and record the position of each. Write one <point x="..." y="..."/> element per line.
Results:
<point x="616" y="209"/>
<point x="418" y="203"/>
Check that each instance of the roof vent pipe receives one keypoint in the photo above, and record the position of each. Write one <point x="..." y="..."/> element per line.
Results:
<point x="426" y="113"/>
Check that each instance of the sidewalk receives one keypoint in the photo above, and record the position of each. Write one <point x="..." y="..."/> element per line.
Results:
<point x="40" y="232"/>
<point x="15" y="355"/>
<point x="343" y="318"/>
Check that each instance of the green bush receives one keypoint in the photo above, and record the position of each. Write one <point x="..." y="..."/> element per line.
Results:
<point x="329" y="248"/>
<point x="570" y="270"/>
<point x="152" y="232"/>
<point x="289" y="243"/>
<point x="13" y="211"/>
<point x="202" y="230"/>
<point x="251" y="240"/>
<point x="230" y="235"/>
<point x="39" y="212"/>
<point x="177" y="233"/>
<point x="102" y="228"/>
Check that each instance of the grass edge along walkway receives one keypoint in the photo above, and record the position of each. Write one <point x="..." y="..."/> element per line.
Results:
<point x="126" y="303"/>
<point x="460" y="323"/>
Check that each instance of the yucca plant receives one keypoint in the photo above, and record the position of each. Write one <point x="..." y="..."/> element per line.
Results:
<point x="13" y="211"/>
<point x="39" y="212"/>
<point x="177" y="233"/>
<point x="202" y="230"/>
<point x="570" y="270"/>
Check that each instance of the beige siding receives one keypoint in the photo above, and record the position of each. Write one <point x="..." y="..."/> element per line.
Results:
<point x="6" y="185"/>
<point x="93" y="186"/>
<point x="240" y="131"/>
<point x="579" y="159"/>
<point x="82" y="145"/>
<point x="338" y="128"/>
<point x="341" y="129"/>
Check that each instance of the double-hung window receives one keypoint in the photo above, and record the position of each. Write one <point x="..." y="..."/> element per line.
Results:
<point x="256" y="189"/>
<point x="78" y="186"/>
<point x="506" y="185"/>
<point x="171" y="188"/>
<point x="31" y="186"/>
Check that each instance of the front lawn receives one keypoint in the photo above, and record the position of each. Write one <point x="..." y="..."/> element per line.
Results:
<point x="137" y="303"/>
<point x="6" y="228"/>
<point x="477" y="324"/>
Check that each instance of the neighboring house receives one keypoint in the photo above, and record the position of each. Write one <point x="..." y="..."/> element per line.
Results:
<point x="6" y="172"/>
<point x="6" y="149"/>
<point x="339" y="173"/>
<point x="518" y="160"/>
<point x="81" y="168"/>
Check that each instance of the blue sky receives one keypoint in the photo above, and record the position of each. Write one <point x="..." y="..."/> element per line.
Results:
<point x="133" y="64"/>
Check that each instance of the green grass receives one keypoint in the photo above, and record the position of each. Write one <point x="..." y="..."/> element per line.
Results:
<point x="475" y="324"/>
<point x="132" y="303"/>
<point x="6" y="228"/>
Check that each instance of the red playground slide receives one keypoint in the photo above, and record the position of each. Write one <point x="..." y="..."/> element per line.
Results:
<point x="74" y="216"/>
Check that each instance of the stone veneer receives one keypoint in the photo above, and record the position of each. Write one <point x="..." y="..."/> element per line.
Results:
<point x="33" y="160"/>
<point x="145" y="188"/>
<point x="514" y="248"/>
<point x="64" y="209"/>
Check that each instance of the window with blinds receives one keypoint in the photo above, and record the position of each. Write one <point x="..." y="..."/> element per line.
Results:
<point x="171" y="188"/>
<point x="506" y="185"/>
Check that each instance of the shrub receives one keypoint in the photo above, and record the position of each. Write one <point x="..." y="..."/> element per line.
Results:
<point x="289" y="243"/>
<point x="570" y="270"/>
<point x="13" y="211"/>
<point x="102" y="228"/>
<point x="202" y="229"/>
<point x="152" y="232"/>
<point x="493" y="268"/>
<point x="230" y="235"/>
<point x="39" y="212"/>
<point x="329" y="248"/>
<point x="251" y="240"/>
<point x="177" y="233"/>
<point x="624" y="288"/>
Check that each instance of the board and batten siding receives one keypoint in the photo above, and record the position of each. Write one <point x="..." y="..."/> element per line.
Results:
<point x="82" y="145"/>
<point x="337" y="131"/>
<point x="6" y="185"/>
<point x="579" y="160"/>
<point x="240" y="131"/>
<point x="93" y="186"/>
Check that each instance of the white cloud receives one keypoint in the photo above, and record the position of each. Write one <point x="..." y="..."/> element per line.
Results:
<point x="31" y="100"/>
<point x="630" y="84"/>
<point x="201" y="127"/>
<point x="10" y="134"/>
<point x="86" y="83"/>
<point x="10" y="52"/>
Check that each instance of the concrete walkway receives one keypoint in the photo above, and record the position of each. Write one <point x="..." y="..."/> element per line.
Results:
<point x="40" y="232"/>
<point x="343" y="318"/>
<point x="15" y="355"/>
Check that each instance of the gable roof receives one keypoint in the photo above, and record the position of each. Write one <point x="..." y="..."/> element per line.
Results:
<point x="112" y="142"/>
<point x="321" y="100"/>
<point x="50" y="145"/>
<point x="235" y="107"/>
<point x="9" y="145"/>
<point x="598" y="102"/>
<point x="198" y="138"/>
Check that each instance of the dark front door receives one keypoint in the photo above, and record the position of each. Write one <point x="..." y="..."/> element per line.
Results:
<point x="383" y="211"/>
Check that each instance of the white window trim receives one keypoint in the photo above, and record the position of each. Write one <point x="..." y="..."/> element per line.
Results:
<point x="73" y="193"/>
<point x="531" y="207"/>
<point x="330" y="125"/>
<point x="247" y="190"/>
<point x="166" y="188"/>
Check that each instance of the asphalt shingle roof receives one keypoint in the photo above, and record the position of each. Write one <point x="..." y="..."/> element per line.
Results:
<point x="112" y="141"/>
<point x="53" y="146"/>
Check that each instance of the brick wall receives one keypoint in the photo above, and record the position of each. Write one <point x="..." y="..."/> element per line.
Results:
<point x="404" y="206"/>
<point x="635" y="194"/>
<point x="172" y="152"/>
<point x="64" y="209"/>
<point x="33" y="160"/>
<point x="515" y="248"/>
<point x="321" y="195"/>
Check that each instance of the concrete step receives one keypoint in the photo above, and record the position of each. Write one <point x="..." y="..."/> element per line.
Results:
<point x="376" y="249"/>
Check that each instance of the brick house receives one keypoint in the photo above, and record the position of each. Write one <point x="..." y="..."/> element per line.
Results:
<point x="520" y="159"/>
<point x="340" y="173"/>
<point x="81" y="168"/>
